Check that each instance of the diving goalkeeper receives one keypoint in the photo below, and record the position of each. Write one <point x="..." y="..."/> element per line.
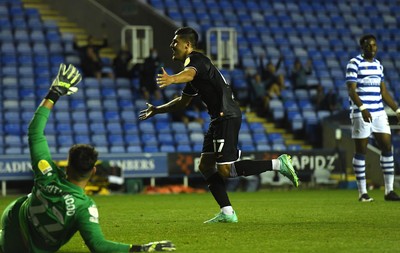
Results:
<point x="57" y="207"/>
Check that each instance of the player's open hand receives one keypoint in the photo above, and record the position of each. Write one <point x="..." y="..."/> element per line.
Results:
<point x="158" y="246"/>
<point x="147" y="113"/>
<point x="66" y="80"/>
<point x="164" y="80"/>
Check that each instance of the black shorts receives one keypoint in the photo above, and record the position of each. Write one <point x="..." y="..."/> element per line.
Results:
<point x="222" y="139"/>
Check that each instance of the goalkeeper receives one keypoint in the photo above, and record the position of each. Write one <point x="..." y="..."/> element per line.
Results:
<point x="57" y="207"/>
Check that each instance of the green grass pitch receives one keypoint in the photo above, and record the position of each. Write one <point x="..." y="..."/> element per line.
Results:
<point x="269" y="221"/>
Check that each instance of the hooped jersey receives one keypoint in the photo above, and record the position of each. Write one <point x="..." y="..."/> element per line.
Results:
<point x="56" y="209"/>
<point x="368" y="76"/>
<point x="212" y="87"/>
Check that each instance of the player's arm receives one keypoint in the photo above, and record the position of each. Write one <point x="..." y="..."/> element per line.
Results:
<point x="185" y="76"/>
<point x="63" y="84"/>
<point x="388" y="99"/>
<point x="92" y="234"/>
<point x="351" y="87"/>
<point x="177" y="103"/>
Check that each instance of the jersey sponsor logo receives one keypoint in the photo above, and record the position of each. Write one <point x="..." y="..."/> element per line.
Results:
<point x="94" y="214"/>
<point x="187" y="61"/>
<point x="44" y="167"/>
<point x="371" y="81"/>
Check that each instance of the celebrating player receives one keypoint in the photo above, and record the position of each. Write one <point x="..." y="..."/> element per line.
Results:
<point x="57" y="207"/>
<point x="220" y="142"/>
<point x="365" y="82"/>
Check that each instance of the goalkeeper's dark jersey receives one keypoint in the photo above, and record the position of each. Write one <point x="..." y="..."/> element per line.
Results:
<point x="210" y="84"/>
<point x="56" y="208"/>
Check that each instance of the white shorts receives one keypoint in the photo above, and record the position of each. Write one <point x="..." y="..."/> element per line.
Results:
<point x="361" y="129"/>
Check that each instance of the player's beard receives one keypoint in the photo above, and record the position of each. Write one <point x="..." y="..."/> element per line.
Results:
<point x="369" y="54"/>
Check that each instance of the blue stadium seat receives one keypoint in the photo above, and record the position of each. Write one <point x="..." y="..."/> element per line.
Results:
<point x="163" y="127"/>
<point x="263" y="147"/>
<point x="64" y="128"/>
<point x="13" y="128"/>
<point x="167" y="148"/>
<point x="182" y="138"/>
<point x="150" y="148"/>
<point x="132" y="139"/>
<point x="114" y="127"/>
<point x="81" y="128"/>
<point x="130" y="128"/>
<point x="247" y="146"/>
<point x="115" y="139"/>
<point x="111" y="116"/>
<point x="99" y="140"/>
<point x="117" y="149"/>
<point x="134" y="149"/>
<point x="77" y="104"/>
<point x="149" y="139"/>
<point x="96" y="116"/>
<point x="62" y="116"/>
<point x="65" y="140"/>
<point x="12" y="140"/>
<point x="147" y="127"/>
<point x="183" y="148"/>
<point x="82" y="139"/>
<point x="12" y="151"/>
<point x="97" y="127"/>
<point x="166" y="138"/>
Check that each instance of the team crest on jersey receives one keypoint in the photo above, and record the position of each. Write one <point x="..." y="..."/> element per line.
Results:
<point x="187" y="61"/>
<point x="44" y="167"/>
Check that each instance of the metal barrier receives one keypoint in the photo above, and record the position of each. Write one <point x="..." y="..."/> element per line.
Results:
<point x="140" y="40"/>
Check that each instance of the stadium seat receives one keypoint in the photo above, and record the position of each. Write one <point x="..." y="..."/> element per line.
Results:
<point x="134" y="149"/>
<point x="183" y="148"/>
<point x="167" y="148"/>
<point x="148" y="148"/>
<point x="117" y="149"/>
<point x="132" y="139"/>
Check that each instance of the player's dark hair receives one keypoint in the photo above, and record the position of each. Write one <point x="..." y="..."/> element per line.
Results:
<point x="81" y="160"/>
<point x="188" y="34"/>
<point x="366" y="37"/>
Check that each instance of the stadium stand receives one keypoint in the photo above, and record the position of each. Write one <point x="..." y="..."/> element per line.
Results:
<point x="32" y="47"/>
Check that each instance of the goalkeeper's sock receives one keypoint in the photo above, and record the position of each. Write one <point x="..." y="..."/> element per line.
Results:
<point x="217" y="187"/>
<point x="251" y="167"/>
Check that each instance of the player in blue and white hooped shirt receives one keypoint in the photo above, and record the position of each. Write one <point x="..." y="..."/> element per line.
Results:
<point x="367" y="92"/>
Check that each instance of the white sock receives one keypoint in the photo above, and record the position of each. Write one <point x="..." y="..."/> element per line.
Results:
<point x="228" y="210"/>
<point x="276" y="164"/>
<point x="387" y="165"/>
<point x="359" y="170"/>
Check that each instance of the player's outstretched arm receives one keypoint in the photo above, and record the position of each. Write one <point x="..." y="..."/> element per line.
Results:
<point x="177" y="103"/>
<point x="63" y="84"/>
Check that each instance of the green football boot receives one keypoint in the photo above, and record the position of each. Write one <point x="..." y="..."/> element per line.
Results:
<point x="223" y="218"/>
<point x="287" y="169"/>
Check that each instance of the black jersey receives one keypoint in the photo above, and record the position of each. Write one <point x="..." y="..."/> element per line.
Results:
<point x="212" y="87"/>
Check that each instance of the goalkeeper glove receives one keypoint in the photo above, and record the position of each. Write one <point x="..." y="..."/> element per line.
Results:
<point x="153" y="246"/>
<point x="64" y="83"/>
